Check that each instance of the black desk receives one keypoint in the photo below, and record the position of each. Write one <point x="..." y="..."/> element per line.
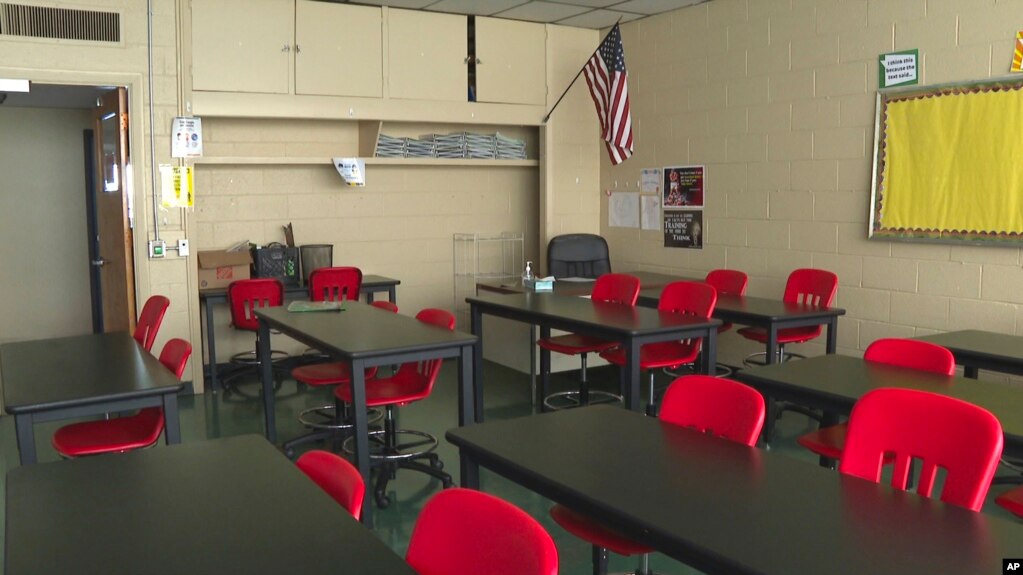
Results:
<point x="631" y="326"/>
<point x="976" y="350"/>
<point x="68" y="377"/>
<point x="371" y="284"/>
<point x="582" y="288"/>
<point x="769" y="314"/>
<point x="833" y="383"/>
<point x="364" y="336"/>
<point x="225" y="506"/>
<point x="727" y="508"/>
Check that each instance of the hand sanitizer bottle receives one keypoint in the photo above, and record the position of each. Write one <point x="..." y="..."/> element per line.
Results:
<point x="527" y="274"/>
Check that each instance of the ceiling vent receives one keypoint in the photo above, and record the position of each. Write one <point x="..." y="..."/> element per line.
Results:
<point x="59" y="23"/>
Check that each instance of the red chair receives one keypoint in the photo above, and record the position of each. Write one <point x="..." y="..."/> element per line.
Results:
<point x="612" y="288"/>
<point x="335" y="284"/>
<point x="121" y="434"/>
<point x="695" y="299"/>
<point x="712" y="405"/>
<point x="412" y="382"/>
<point x="466" y="532"/>
<point x="245" y="297"/>
<point x="335" y="475"/>
<point x="806" y="286"/>
<point x="829" y="442"/>
<point x="150" y="320"/>
<point x="941" y="432"/>
<point x="1012" y="500"/>
<point x="329" y="421"/>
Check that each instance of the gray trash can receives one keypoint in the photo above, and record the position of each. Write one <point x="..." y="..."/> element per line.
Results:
<point x="315" y="256"/>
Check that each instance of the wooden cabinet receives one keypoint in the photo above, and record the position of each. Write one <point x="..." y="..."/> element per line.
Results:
<point x="257" y="45"/>
<point x="242" y="45"/>
<point x="511" y="61"/>
<point x="427" y="56"/>
<point x="338" y="50"/>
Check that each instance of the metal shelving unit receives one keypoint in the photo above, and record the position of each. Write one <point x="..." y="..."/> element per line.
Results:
<point x="481" y="256"/>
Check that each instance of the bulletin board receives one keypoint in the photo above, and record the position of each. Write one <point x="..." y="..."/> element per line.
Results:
<point x="948" y="164"/>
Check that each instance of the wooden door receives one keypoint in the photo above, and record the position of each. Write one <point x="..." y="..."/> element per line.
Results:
<point x="338" y="50"/>
<point x="116" y="253"/>
<point x="427" y="56"/>
<point x="511" y="65"/>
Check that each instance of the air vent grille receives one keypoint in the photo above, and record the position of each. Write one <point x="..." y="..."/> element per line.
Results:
<point x="60" y="23"/>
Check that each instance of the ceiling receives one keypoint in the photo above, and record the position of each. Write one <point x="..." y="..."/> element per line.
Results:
<point x="580" y="13"/>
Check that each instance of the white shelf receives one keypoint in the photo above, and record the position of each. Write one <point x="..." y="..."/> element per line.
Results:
<point x="267" y="160"/>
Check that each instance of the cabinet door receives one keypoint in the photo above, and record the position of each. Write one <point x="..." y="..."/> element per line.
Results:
<point x="339" y="50"/>
<point x="512" y="61"/>
<point x="242" y="45"/>
<point x="426" y="56"/>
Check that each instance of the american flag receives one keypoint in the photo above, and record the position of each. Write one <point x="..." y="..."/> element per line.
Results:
<point x="608" y="82"/>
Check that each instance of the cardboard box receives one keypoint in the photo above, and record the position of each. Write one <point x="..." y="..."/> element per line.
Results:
<point x="218" y="268"/>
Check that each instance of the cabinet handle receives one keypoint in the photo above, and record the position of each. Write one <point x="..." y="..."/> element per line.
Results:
<point x="478" y="61"/>
<point x="467" y="58"/>
<point x="286" y="48"/>
<point x="297" y="48"/>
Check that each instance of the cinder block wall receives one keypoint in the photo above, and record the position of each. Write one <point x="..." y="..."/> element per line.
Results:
<point x="776" y="98"/>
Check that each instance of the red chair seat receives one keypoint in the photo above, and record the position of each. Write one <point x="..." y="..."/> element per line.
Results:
<point x="827" y="442"/>
<point x="659" y="354"/>
<point x="327" y="373"/>
<point x="594" y="533"/>
<point x="788" y="335"/>
<point x="1012" y="500"/>
<point x="573" y="344"/>
<point x="402" y="387"/>
<point x="106" y="435"/>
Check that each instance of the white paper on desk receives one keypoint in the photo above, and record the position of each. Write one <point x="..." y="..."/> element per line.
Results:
<point x="623" y="210"/>
<point x="651" y="212"/>
<point x="577" y="280"/>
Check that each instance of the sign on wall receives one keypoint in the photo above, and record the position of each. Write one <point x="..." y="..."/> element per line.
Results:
<point x="683" y="197"/>
<point x="897" y="68"/>
<point x="683" y="229"/>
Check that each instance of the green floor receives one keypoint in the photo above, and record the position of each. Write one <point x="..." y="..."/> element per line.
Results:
<point x="507" y="396"/>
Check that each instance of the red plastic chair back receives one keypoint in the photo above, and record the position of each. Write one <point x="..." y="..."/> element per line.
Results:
<point x="385" y="305"/>
<point x="731" y="282"/>
<point x="150" y="320"/>
<point x="695" y="299"/>
<point x="716" y="406"/>
<point x="430" y="368"/>
<point x="912" y="353"/>
<point x="175" y="354"/>
<point x="616" y="288"/>
<point x="335" y="475"/>
<point x="940" y="432"/>
<point x="335" y="284"/>
<point x="466" y="532"/>
<point x="246" y="296"/>
<point x="811" y="286"/>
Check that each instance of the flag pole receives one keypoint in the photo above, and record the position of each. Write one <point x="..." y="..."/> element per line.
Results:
<point x="580" y="73"/>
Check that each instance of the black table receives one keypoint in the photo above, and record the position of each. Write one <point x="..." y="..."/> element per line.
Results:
<point x="224" y="506"/>
<point x="770" y="314"/>
<point x="726" y="508"/>
<point x="833" y="383"/>
<point x="631" y="326"/>
<point x="976" y="350"/>
<point x="364" y="336"/>
<point x="583" y="288"/>
<point x="69" y="377"/>
<point x="371" y="285"/>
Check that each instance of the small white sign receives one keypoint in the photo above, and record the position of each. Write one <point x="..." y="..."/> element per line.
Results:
<point x="898" y="68"/>
<point x="353" y="170"/>
<point x="186" y="134"/>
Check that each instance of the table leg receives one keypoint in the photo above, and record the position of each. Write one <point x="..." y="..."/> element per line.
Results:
<point x="632" y="373"/>
<point x="545" y="369"/>
<point x="970" y="371"/>
<point x="466" y="404"/>
<point x="26" y="438"/>
<point x="171" y="418"/>
<point x="476" y="326"/>
<point x="211" y="347"/>
<point x="709" y="355"/>
<point x="361" y="429"/>
<point x="266" y="373"/>
<point x="392" y="294"/>
<point x="772" y="344"/>
<point x="532" y="364"/>
<point x="832" y="345"/>
<point x="470" y="470"/>
<point x="827" y="420"/>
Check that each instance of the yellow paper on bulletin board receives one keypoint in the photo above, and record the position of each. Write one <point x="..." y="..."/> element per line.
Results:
<point x="948" y="164"/>
<point x="177" y="186"/>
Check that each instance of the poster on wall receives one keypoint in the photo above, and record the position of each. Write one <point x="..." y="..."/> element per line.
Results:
<point x="623" y="210"/>
<point x="650" y="181"/>
<point x="650" y="208"/>
<point x="187" y="142"/>
<point x="177" y="186"/>
<point x="683" y="229"/>
<point x="683" y="187"/>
